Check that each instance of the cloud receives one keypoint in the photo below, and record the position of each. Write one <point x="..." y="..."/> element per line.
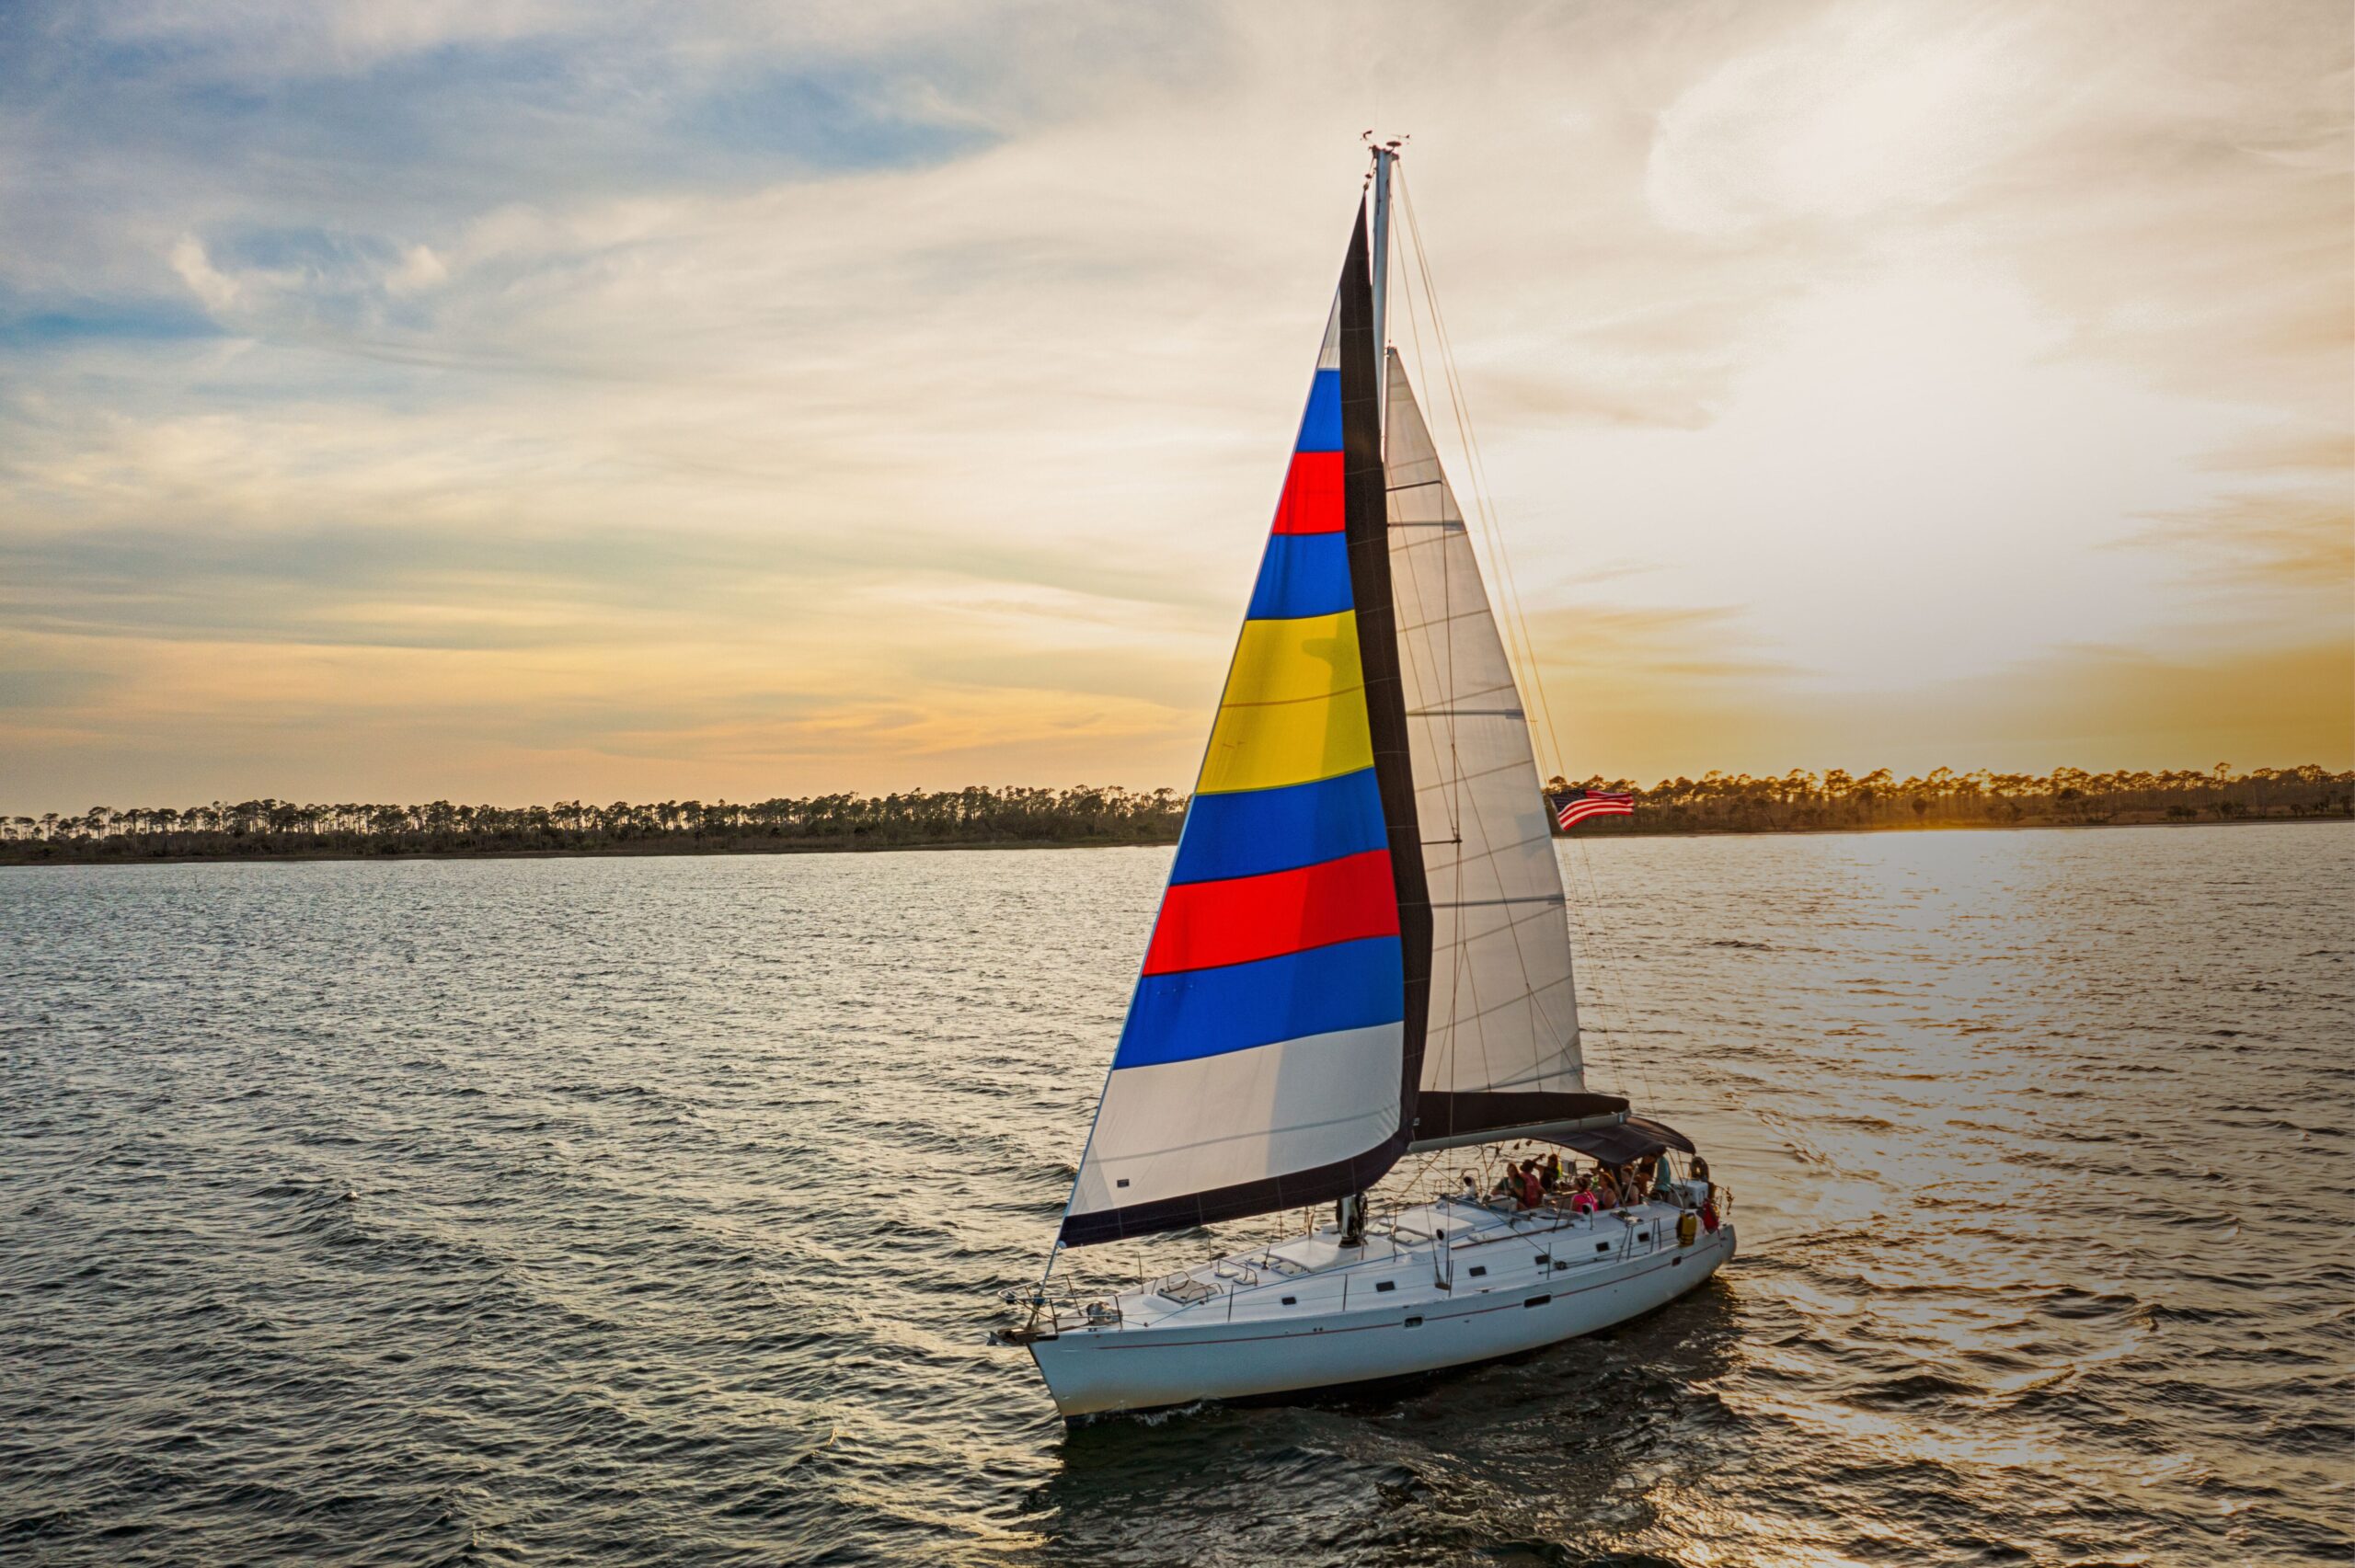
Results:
<point x="420" y="271"/>
<point x="1854" y="113"/>
<point x="2302" y="541"/>
<point x="828" y="394"/>
<point x="195" y="268"/>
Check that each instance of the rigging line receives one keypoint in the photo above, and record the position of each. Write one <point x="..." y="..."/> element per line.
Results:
<point x="1475" y="475"/>
<point x="1443" y="655"/>
<point x="1461" y="975"/>
<point x="1598" y="946"/>
<point x="1476" y="472"/>
<point x="1444" y="1070"/>
<point x="1407" y="297"/>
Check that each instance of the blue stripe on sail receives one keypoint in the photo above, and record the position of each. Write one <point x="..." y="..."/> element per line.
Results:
<point x="1320" y="428"/>
<point x="1302" y="573"/>
<point x="1207" y="1012"/>
<point x="1253" y="831"/>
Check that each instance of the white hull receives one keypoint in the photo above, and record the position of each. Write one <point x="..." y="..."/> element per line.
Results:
<point x="1443" y="1284"/>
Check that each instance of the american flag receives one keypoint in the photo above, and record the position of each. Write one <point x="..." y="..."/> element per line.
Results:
<point x="1576" y="806"/>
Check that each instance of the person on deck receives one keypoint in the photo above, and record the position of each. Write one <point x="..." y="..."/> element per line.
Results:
<point x="1606" y="1188"/>
<point x="1582" y="1198"/>
<point x="1523" y="1178"/>
<point x="1551" y="1173"/>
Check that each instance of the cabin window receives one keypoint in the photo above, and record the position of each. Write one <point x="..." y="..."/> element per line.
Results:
<point x="1121" y="1183"/>
<point x="1544" y="1258"/>
<point x="1414" y="1322"/>
<point x="1602" y="1246"/>
<point x="1479" y="1270"/>
<point x="1289" y="1300"/>
<point x="1537" y="1300"/>
<point x="1387" y="1284"/>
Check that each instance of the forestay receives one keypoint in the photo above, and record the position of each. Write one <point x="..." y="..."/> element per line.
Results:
<point x="1501" y="1049"/>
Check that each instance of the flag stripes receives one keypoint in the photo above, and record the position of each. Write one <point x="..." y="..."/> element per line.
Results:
<point x="1576" y="806"/>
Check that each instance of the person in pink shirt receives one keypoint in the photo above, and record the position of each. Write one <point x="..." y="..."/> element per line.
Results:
<point x="1582" y="1198"/>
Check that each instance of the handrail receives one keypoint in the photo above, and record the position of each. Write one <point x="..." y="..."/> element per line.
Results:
<point x="1454" y="1222"/>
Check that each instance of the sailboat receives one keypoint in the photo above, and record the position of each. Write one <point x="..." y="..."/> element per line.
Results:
<point x="1363" y="956"/>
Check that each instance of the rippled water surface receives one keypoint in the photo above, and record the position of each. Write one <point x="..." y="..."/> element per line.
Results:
<point x="638" y="1211"/>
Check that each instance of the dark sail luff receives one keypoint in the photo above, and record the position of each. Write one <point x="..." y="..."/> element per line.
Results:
<point x="1368" y="500"/>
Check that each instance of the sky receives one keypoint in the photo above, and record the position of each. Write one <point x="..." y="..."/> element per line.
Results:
<point x="511" y="401"/>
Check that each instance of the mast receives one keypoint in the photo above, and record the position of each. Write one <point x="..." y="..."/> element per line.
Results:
<point x="1351" y="1213"/>
<point x="1384" y="157"/>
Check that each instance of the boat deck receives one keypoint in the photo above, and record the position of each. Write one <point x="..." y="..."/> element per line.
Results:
<point x="1449" y="1249"/>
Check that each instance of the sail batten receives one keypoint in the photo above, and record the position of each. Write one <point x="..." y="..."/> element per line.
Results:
<point x="1272" y="1051"/>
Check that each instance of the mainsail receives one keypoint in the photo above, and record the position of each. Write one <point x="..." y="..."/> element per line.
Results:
<point x="1501" y="1050"/>
<point x="1273" y="1045"/>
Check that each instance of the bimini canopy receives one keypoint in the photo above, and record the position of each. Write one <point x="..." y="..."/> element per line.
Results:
<point x="1624" y="1144"/>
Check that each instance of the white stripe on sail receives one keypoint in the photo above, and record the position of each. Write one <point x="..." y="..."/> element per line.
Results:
<point x="1503" y="1012"/>
<point x="1180" y="1127"/>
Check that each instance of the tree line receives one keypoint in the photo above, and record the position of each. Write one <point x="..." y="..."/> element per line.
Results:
<point x="1798" y="801"/>
<point x="973" y="817"/>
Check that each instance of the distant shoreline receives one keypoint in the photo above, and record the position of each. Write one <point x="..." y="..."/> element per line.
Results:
<point x="11" y="855"/>
<point x="981" y="817"/>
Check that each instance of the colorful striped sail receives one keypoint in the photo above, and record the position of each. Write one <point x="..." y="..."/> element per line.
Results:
<point x="1273" y="1042"/>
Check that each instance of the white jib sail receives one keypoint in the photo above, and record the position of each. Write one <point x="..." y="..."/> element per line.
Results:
<point x="1503" y="1012"/>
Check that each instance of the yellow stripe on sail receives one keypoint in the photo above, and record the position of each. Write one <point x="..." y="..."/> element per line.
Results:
<point x="1295" y="710"/>
<point x="1270" y="745"/>
<point x="1284" y="661"/>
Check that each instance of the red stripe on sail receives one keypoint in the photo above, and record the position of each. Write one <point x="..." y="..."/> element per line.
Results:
<point x="1206" y="925"/>
<point x="1311" y="499"/>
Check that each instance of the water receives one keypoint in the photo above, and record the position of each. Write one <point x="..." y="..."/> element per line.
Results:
<point x="623" y="1211"/>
